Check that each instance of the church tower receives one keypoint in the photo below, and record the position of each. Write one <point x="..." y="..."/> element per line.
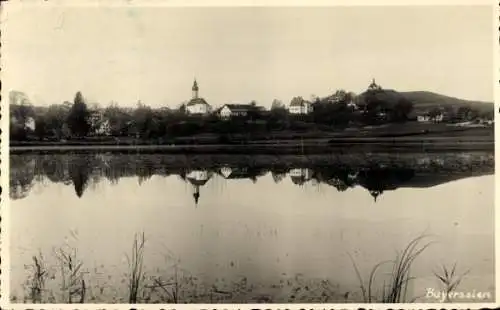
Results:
<point x="195" y="89"/>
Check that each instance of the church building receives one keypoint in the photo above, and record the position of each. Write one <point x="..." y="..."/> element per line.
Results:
<point x="197" y="105"/>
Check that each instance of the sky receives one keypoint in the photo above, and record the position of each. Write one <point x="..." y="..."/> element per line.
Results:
<point x="152" y="54"/>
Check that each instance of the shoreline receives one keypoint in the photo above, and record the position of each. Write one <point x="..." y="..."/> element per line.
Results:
<point x="295" y="147"/>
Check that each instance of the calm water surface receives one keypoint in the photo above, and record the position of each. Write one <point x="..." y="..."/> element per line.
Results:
<point x="270" y="229"/>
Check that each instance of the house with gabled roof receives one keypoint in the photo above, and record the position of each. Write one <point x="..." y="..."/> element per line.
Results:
<point x="235" y="110"/>
<point x="300" y="106"/>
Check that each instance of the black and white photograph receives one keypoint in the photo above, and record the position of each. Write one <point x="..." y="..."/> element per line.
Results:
<point x="248" y="154"/>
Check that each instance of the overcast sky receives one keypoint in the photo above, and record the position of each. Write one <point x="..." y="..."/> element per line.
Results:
<point x="150" y="54"/>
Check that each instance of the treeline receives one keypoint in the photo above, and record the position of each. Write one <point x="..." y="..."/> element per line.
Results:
<point x="76" y="120"/>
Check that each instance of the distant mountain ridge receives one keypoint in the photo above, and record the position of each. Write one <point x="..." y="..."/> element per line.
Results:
<point x="423" y="100"/>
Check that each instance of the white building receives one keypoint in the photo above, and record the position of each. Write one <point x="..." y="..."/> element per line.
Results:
<point x="234" y="110"/>
<point x="426" y="117"/>
<point x="30" y="123"/>
<point x="99" y="124"/>
<point x="197" y="105"/>
<point x="300" y="106"/>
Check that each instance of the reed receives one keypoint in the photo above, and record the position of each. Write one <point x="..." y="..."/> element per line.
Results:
<point x="135" y="262"/>
<point x="72" y="275"/>
<point x="37" y="279"/>
<point x="395" y="291"/>
<point x="450" y="280"/>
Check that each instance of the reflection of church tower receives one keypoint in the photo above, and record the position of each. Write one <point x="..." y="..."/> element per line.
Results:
<point x="196" y="194"/>
<point x="198" y="178"/>
<point x="195" y="89"/>
<point x="375" y="194"/>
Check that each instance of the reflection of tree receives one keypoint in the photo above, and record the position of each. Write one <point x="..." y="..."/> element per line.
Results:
<point x="278" y="176"/>
<point x="22" y="173"/>
<point x="56" y="170"/>
<point x="340" y="178"/>
<point x="79" y="171"/>
<point x="377" y="180"/>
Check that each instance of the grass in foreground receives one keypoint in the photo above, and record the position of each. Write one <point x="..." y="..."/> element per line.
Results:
<point x="450" y="280"/>
<point x="395" y="291"/>
<point x="37" y="279"/>
<point x="135" y="263"/>
<point x="73" y="283"/>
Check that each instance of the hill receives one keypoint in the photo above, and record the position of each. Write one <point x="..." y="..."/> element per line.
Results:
<point x="425" y="100"/>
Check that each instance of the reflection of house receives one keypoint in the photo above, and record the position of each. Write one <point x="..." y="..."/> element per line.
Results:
<point x="198" y="178"/>
<point x="300" y="106"/>
<point x="197" y="105"/>
<point x="300" y="176"/>
<point x="235" y="173"/>
<point x="235" y="110"/>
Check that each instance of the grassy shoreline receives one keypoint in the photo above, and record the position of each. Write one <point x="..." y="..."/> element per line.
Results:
<point x="273" y="148"/>
<point x="397" y="137"/>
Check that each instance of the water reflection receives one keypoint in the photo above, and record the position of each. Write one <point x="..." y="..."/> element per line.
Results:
<point x="82" y="170"/>
<point x="266" y="227"/>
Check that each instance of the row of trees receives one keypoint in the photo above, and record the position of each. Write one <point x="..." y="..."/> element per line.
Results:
<point x="57" y="120"/>
<point x="76" y="120"/>
<point x="85" y="169"/>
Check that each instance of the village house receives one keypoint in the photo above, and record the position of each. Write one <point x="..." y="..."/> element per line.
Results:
<point x="234" y="110"/>
<point x="99" y="124"/>
<point x="352" y="105"/>
<point x="234" y="173"/>
<point x="300" y="106"/>
<point x="29" y="123"/>
<point x="197" y="105"/>
<point x="427" y="117"/>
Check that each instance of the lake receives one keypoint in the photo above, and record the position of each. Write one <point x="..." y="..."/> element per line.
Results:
<point x="248" y="228"/>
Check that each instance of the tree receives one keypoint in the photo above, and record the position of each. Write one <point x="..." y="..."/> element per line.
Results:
<point x="20" y="107"/>
<point x="464" y="113"/>
<point x="402" y="109"/>
<point x="21" y="110"/>
<point x="277" y="104"/>
<point x="118" y="119"/>
<point x="182" y="107"/>
<point x="434" y="112"/>
<point x="55" y="119"/>
<point x="78" y="117"/>
<point x="142" y="119"/>
<point x="40" y="126"/>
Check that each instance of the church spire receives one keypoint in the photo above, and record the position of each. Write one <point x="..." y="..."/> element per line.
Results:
<point x="195" y="89"/>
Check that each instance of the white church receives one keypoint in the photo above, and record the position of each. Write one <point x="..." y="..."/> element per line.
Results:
<point x="197" y="105"/>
